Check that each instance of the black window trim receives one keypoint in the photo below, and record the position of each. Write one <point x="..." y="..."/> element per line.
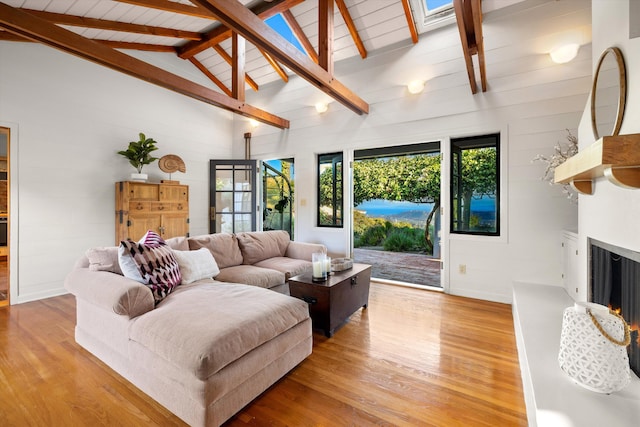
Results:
<point x="334" y="225"/>
<point x="478" y="141"/>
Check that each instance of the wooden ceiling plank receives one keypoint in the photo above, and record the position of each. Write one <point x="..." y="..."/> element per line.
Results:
<point x="325" y="35"/>
<point x="351" y="26"/>
<point x="234" y="15"/>
<point x="229" y="59"/>
<point x="238" y="66"/>
<point x="410" y="21"/>
<point x="170" y="6"/>
<point x="300" y="35"/>
<point x="222" y="33"/>
<point x="102" y="24"/>
<point x="211" y="76"/>
<point x="29" y="26"/>
<point x="459" y="6"/>
<point x="476" y="10"/>
<point x="278" y="69"/>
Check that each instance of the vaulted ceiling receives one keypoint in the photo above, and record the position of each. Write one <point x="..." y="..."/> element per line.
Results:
<point x="229" y="42"/>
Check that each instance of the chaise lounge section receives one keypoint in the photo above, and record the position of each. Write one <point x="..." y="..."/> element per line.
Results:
<point x="209" y="347"/>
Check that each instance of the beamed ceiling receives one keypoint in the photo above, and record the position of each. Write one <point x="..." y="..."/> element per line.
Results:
<point x="229" y="42"/>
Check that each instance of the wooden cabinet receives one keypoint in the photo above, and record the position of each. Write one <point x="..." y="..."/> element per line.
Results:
<point x="141" y="206"/>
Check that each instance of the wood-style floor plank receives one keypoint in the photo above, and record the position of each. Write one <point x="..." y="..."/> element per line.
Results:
<point x="413" y="358"/>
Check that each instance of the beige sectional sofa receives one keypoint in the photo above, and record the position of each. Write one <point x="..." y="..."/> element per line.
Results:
<point x="209" y="347"/>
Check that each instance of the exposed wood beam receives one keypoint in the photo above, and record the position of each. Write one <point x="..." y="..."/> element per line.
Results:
<point x="211" y="76"/>
<point x="344" y="11"/>
<point x="228" y="58"/>
<point x="410" y="20"/>
<point x="464" y="17"/>
<point x="7" y="36"/>
<point x="325" y="35"/>
<point x="170" y="6"/>
<point x="102" y="24"/>
<point x="281" y="72"/>
<point x="237" y="66"/>
<point x="239" y="18"/>
<point x="137" y="46"/>
<point x="476" y="9"/>
<point x="300" y="35"/>
<point x="37" y="29"/>
<point x="222" y="33"/>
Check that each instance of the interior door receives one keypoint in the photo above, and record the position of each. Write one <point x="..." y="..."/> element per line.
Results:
<point x="233" y="204"/>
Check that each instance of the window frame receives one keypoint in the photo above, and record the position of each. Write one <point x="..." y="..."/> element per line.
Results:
<point x="457" y="146"/>
<point x="336" y="197"/>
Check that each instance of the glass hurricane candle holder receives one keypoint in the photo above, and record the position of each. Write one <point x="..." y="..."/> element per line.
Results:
<point x="318" y="261"/>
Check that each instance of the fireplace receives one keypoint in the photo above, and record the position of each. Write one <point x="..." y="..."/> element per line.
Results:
<point x="615" y="282"/>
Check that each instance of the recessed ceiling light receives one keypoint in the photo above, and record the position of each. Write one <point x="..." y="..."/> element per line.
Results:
<point x="253" y="123"/>
<point x="565" y="53"/>
<point x="415" y="86"/>
<point x="322" y="107"/>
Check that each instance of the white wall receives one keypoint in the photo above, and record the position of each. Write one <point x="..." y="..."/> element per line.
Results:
<point x="68" y="117"/>
<point x="530" y="100"/>
<point x="611" y="213"/>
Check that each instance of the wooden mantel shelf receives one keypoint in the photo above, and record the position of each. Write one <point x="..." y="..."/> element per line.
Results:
<point x="615" y="157"/>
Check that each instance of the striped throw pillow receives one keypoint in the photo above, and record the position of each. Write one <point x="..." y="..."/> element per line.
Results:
<point x="151" y="262"/>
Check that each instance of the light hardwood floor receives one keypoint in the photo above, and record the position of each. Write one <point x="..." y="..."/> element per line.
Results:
<point x="413" y="358"/>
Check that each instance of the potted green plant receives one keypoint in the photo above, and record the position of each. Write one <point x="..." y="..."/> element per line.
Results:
<point x="139" y="154"/>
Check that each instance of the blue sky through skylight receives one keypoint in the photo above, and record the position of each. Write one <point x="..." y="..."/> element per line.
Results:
<point x="278" y="23"/>
<point x="434" y="4"/>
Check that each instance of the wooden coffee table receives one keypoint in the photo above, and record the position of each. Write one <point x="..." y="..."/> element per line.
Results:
<point x="332" y="302"/>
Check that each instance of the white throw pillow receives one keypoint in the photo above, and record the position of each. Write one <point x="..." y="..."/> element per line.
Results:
<point x="196" y="265"/>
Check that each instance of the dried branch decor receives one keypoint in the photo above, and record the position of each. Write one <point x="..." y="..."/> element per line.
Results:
<point x="560" y="155"/>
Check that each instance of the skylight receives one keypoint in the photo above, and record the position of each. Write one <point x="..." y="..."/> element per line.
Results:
<point x="433" y="5"/>
<point x="432" y="14"/>
<point x="278" y="23"/>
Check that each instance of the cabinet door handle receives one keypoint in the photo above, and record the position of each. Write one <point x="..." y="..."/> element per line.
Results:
<point x="139" y="206"/>
<point x="180" y="207"/>
<point x="354" y="280"/>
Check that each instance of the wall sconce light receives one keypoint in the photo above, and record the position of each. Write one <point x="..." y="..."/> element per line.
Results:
<point x="415" y="87"/>
<point x="253" y="123"/>
<point x="322" y="107"/>
<point x="565" y="53"/>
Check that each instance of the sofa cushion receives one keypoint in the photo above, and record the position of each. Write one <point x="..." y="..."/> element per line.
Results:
<point x="178" y="243"/>
<point x="289" y="266"/>
<point x="257" y="246"/>
<point x="251" y="275"/>
<point x="104" y="259"/>
<point x="196" y="265"/>
<point x="185" y="331"/>
<point x="151" y="262"/>
<point x="223" y="247"/>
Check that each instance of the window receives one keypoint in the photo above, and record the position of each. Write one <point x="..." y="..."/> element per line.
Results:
<point x="475" y="185"/>
<point x="330" y="203"/>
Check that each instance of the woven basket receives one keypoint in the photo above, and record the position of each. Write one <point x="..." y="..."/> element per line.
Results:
<point x="587" y="356"/>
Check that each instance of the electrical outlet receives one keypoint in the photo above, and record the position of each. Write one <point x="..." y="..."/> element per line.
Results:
<point x="462" y="268"/>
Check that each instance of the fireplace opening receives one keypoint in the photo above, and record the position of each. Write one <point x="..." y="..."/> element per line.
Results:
<point x="615" y="282"/>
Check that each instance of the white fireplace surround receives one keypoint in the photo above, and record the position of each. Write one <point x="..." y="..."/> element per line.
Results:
<point x="552" y="398"/>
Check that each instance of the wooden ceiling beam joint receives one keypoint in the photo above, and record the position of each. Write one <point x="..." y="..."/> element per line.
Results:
<point x="325" y="35"/>
<point x="240" y="19"/>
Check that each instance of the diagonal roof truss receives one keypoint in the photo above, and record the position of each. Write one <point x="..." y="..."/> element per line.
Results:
<point x="201" y="32"/>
